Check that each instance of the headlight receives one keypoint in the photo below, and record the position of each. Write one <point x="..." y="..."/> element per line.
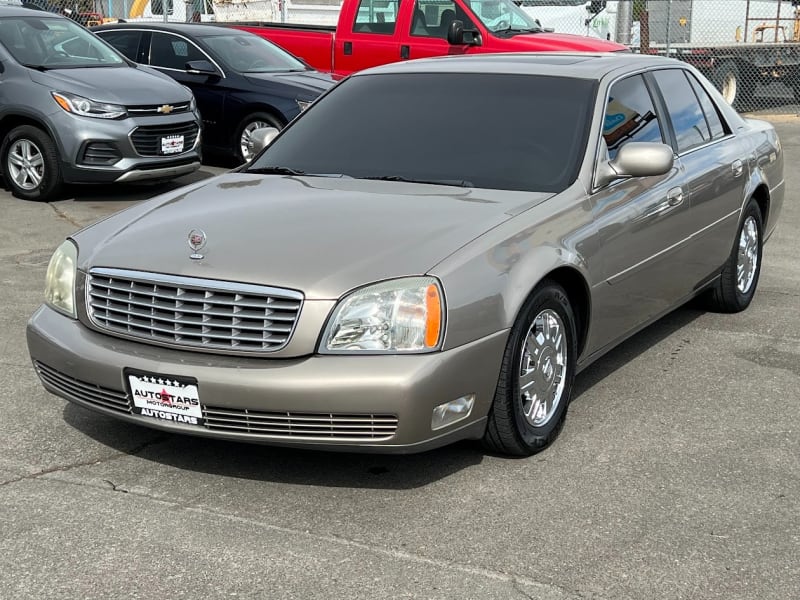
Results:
<point x="192" y="102"/>
<point x="59" y="291"/>
<point x="399" y="316"/>
<point x="79" y="105"/>
<point x="304" y="104"/>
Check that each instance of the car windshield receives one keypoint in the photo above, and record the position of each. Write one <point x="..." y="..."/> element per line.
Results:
<point x="55" y="43"/>
<point x="247" y="53"/>
<point x="503" y="16"/>
<point x="499" y="131"/>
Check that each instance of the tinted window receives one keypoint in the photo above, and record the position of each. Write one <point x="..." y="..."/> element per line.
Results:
<point x="172" y="52"/>
<point x="126" y="42"/>
<point x="432" y="18"/>
<point x="511" y="132"/>
<point x="718" y="130"/>
<point x="630" y="115"/>
<point x="376" y="16"/>
<point x="684" y="110"/>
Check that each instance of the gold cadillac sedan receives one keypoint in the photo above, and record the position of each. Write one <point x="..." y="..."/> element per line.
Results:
<point x="431" y="252"/>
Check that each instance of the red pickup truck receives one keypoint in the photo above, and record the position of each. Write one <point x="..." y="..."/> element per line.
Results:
<point x="375" y="32"/>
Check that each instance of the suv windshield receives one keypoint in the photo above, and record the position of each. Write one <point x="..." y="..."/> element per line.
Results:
<point x="503" y="15"/>
<point x="247" y="53"/>
<point x="499" y="131"/>
<point x="55" y="43"/>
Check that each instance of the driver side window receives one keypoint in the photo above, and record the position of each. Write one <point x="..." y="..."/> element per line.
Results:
<point x="630" y="115"/>
<point x="172" y="52"/>
<point x="432" y="18"/>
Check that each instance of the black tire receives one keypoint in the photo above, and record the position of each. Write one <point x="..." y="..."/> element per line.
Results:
<point x="509" y="431"/>
<point x="18" y="169"/>
<point x="731" y="294"/>
<point x="258" y="117"/>
<point x="734" y="88"/>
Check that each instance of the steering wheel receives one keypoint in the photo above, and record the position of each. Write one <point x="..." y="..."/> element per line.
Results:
<point x="55" y="55"/>
<point x="501" y="24"/>
<point x="258" y="63"/>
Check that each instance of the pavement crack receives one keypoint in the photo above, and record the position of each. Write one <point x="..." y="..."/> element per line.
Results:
<point x="62" y="215"/>
<point x="115" y="487"/>
<point x="86" y="463"/>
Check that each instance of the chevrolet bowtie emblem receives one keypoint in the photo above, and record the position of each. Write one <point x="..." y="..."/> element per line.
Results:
<point x="165" y="109"/>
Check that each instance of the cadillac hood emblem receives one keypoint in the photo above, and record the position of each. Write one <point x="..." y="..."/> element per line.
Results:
<point x="197" y="241"/>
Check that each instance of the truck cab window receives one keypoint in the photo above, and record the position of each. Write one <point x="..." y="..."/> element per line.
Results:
<point x="432" y="18"/>
<point x="376" y="16"/>
<point x="630" y="115"/>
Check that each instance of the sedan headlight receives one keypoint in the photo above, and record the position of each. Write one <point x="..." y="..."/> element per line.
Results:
<point x="59" y="291"/>
<point x="79" y="105"/>
<point x="399" y="316"/>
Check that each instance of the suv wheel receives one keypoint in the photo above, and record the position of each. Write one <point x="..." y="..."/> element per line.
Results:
<point x="30" y="164"/>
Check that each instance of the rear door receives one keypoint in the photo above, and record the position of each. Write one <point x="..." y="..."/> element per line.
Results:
<point x="371" y="39"/>
<point x="716" y="165"/>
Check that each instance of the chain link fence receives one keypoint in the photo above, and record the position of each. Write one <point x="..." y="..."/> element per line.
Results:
<point x="750" y="49"/>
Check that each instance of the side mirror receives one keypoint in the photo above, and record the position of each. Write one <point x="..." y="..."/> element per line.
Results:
<point x="201" y="67"/>
<point x="261" y="138"/>
<point x="458" y="36"/>
<point x="636" y="159"/>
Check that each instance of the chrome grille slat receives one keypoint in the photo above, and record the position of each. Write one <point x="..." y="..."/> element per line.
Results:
<point x="80" y="390"/>
<point x="313" y="426"/>
<point x="192" y="313"/>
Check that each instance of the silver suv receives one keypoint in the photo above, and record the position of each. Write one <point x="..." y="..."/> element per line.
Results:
<point x="74" y="110"/>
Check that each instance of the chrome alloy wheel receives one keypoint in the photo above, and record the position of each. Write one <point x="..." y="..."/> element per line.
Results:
<point x="543" y="368"/>
<point x="246" y="141"/>
<point x="25" y="164"/>
<point x="747" y="263"/>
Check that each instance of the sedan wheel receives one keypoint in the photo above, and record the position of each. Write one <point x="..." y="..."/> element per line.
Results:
<point x="737" y="284"/>
<point x="536" y="376"/>
<point x="30" y="163"/>
<point x="244" y="146"/>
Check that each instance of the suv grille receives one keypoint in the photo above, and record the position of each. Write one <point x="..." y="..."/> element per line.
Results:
<point x="147" y="139"/>
<point x="192" y="313"/>
<point x="158" y="109"/>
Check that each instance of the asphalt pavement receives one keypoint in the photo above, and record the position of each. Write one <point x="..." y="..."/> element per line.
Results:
<point x="677" y="474"/>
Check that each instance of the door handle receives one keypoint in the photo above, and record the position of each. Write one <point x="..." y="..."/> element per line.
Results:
<point x="348" y="48"/>
<point x="405" y="52"/>
<point x="737" y="167"/>
<point x="675" y="197"/>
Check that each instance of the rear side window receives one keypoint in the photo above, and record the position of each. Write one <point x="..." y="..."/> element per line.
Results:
<point x="376" y="16"/>
<point x="688" y="121"/>
<point x="715" y="124"/>
<point x="630" y="115"/>
<point x="126" y="42"/>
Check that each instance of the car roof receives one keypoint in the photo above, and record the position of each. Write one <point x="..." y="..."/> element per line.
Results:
<point x="579" y="65"/>
<point x="191" y="29"/>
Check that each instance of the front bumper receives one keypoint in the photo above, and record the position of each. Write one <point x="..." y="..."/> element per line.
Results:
<point x="87" y="368"/>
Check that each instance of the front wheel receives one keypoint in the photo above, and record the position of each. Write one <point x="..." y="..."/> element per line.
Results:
<point x="536" y="376"/>
<point x="737" y="283"/>
<point x="243" y="149"/>
<point x="30" y="164"/>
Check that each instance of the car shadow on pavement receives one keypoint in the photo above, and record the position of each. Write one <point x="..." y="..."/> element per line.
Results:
<point x="335" y="469"/>
<point x="272" y="463"/>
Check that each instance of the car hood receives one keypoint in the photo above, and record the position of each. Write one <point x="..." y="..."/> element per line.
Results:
<point x="310" y="81"/>
<point x="322" y="236"/>
<point x="541" y="42"/>
<point x="128" y="86"/>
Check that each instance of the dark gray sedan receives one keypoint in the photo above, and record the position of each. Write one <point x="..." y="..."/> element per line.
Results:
<point x="430" y="253"/>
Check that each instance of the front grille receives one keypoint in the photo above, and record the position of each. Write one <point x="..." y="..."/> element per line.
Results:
<point x="100" y="153"/>
<point x="72" y="388"/>
<point x="192" y="313"/>
<point x="147" y="138"/>
<point x="158" y="109"/>
<point x="293" y="425"/>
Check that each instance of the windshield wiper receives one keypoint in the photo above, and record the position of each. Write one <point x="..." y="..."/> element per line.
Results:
<point x="451" y="182"/>
<point x="515" y="30"/>
<point x="276" y="171"/>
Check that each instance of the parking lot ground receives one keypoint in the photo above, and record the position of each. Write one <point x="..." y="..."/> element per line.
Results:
<point x="677" y="474"/>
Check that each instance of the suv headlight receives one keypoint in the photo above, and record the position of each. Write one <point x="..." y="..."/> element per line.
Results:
<point x="79" y="105"/>
<point x="59" y="291"/>
<point x="401" y="316"/>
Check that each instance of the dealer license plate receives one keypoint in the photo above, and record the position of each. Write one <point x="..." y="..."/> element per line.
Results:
<point x="172" y="144"/>
<point x="165" y="398"/>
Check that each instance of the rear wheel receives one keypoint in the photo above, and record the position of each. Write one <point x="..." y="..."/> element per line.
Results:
<point x="536" y="377"/>
<point x="30" y="164"/>
<point x="737" y="284"/>
<point x="243" y="149"/>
